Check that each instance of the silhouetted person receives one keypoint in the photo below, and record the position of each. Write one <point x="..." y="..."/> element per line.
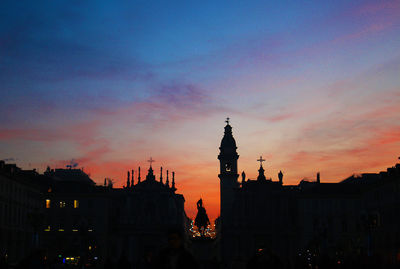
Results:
<point x="175" y="256"/>
<point x="201" y="220"/>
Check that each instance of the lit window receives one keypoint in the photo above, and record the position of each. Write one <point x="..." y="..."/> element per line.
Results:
<point x="47" y="229"/>
<point x="62" y="204"/>
<point x="47" y="203"/>
<point x="76" y="203"/>
<point x="228" y="167"/>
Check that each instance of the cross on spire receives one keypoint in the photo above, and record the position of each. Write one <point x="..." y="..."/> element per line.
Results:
<point x="261" y="160"/>
<point x="151" y="161"/>
<point x="227" y="120"/>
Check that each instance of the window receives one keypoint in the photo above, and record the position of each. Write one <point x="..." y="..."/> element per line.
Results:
<point x="62" y="204"/>
<point x="76" y="203"/>
<point x="47" y="203"/>
<point x="228" y="167"/>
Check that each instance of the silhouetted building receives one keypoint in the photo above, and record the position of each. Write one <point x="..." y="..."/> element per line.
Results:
<point x="21" y="212"/>
<point x="143" y="214"/>
<point x="354" y="217"/>
<point x="73" y="220"/>
<point x="77" y="216"/>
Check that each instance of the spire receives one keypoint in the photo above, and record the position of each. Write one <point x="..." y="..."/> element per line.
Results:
<point x="243" y="177"/>
<point x="173" y="182"/>
<point x="228" y="127"/>
<point x="318" y="178"/>
<point x="167" y="182"/>
<point x="280" y="176"/>
<point x="228" y="156"/>
<point x="132" y="178"/>
<point x="228" y="143"/>
<point x="161" y="175"/>
<point x="261" y="175"/>
<point x="139" y="176"/>
<point x="128" y="185"/>
<point x="105" y="181"/>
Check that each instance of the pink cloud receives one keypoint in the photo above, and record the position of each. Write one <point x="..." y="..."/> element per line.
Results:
<point x="281" y="117"/>
<point x="370" y="29"/>
<point x="372" y="8"/>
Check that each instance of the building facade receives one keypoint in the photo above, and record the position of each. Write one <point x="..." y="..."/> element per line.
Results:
<point x="305" y="223"/>
<point x="20" y="212"/>
<point x="71" y="220"/>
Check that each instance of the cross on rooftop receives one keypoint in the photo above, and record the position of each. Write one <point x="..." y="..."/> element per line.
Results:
<point x="261" y="160"/>
<point x="151" y="161"/>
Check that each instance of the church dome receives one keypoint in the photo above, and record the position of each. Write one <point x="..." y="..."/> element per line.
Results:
<point x="228" y="142"/>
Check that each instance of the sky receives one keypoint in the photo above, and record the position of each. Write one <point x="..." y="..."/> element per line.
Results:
<point x="309" y="85"/>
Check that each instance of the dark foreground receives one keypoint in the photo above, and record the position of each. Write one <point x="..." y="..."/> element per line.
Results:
<point x="180" y="258"/>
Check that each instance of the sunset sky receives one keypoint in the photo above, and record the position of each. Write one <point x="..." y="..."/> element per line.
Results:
<point x="311" y="86"/>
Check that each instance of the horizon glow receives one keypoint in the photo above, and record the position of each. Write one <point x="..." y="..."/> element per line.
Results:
<point x="312" y="87"/>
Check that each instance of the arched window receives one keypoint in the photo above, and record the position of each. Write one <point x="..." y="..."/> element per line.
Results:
<point x="228" y="167"/>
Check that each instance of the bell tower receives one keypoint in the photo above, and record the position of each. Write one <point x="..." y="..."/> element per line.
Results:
<point x="228" y="174"/>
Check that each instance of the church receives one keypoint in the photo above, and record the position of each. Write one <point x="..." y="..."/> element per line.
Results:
<point x="144" y="213"/>
<point x="302" y="223"/>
